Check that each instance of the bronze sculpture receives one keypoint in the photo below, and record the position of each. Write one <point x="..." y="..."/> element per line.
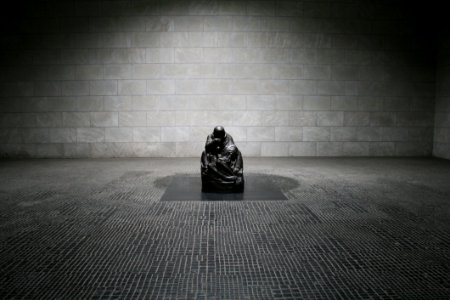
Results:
<point x="221" y="163"/>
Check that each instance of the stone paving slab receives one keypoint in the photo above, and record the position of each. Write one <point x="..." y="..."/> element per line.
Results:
<point x="350" y="229"/>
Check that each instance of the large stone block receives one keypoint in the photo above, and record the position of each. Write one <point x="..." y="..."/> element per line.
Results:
<point x="289" y="134"/>
<point x="218" y="55"/>
<point x="11" y="136"/>
<point x="329" y="149"/>
<point x="199" y="133"/>
<point x="247" y="23"/>
<point x="274" y="149"/>
<point x="275" y="87"/>
<point x="117" y="103"/>
<point x="157" y="87"/>
<point x="356" y="148"/>
<point x="146" y="71"/>
<point x="261" y="102"/>
<point x="132" y="87"/>
<point x="115" y="134"/>
<point x="146" y="39"/>
<point x="370" y="103"/>
<point x="286" y="71"/>
<point x="10" y="120"/>
<point x="188" y="86"/>
<point x="239" y="134"/>
<point x="104" y="119"/>
<point x="369" y="134"/>
<point x="321" y="72"/>
<point x="344" y="103"/>
<point x="175" y="134"/>
<point x="413" y="148"/>
<point x="330" y="87"/>
<point x="231" y="8"/>
<point x="414" y="119"/>
<point x="302" y="87"/>
<point x="146" y="134"/>
<point x="260" y="134"/>
<point x="89" y="103"/>
<point x="289" y="102"/>
<point x="159" y="23"/>
<point x="302" y="118"/>
<point x="225" y="118"/>
<point x="159" y="55"/>
<point x="90" y="135"/>
<point x="382" y="149"/>
<point x="189" y="55"/>
<point x="261" y="8"/>
<point x="147" y="103"/>
<point x="47" y="88"/>
<point x="76" y="119"/>
<point x="316" y="103"/>
<point x="189" y="149"/>
<point x="250" y="148"/>
<point x="118" y="55"/>
<point x="77" y="150"/>
<point x="231" y="39"/>
<point x="74" y="88"/>
<point x="314" y="134"/>
<point x="35" y="135"/>
<point x="48" y="150"/>
<point x="89" y="72"/>
<point x="345" y="72"/>
<point x="188" y="23"/>
<point x="188" y="39"/>
<point x="343" y="134"/>
<point x="394" y="134"/>
<point x="103" y="87"/>
<point x="302" y="149"/>
<point x="356" y="118"/>
<point x="132" y="119"/>
<point x="218" y="87"/>
<point x="330" y="118"/>
<point x="63" y="135"/>
<point x="384" y="119"/>
<point x="161" y="118"/>
<point x="16" y="89"/>
<point x="49" y="119"/>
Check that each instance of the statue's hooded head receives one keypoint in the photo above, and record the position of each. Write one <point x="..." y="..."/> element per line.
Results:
<point x="219" y="132"/>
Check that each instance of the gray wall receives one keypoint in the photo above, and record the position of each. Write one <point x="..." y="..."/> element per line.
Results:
<point x="442" y="117"/>
<point x="149" y="78"/>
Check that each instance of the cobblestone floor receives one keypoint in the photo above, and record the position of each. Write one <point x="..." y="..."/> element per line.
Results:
<point x="350" y="229"/>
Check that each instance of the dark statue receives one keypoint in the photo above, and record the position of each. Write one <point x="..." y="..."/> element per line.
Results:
<point x="221" y="164"/>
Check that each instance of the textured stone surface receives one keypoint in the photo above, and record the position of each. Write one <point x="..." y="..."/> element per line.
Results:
<point x="349" y="229"/>
<point x="335" y="66"/>
<point x="442" y="114"/>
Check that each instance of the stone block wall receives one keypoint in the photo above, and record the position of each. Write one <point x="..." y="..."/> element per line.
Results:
<point x="140" y="78"/>
<point x="442" y="118"/>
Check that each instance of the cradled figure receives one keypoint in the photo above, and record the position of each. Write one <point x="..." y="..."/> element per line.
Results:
<point x="221" y="163"/>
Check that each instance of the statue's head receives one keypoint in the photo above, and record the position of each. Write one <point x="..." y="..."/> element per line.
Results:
<point x="219" y="132"/>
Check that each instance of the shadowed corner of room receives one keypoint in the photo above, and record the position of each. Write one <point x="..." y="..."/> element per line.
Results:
<point x="69" y="32"/>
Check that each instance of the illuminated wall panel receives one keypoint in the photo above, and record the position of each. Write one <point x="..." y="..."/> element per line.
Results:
<point x="152" y="78"/>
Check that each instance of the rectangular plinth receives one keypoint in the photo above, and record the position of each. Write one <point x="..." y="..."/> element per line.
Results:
<point x="189" y="188"/>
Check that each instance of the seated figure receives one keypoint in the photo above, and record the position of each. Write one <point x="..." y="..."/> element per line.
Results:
<point x="221" y="164"/>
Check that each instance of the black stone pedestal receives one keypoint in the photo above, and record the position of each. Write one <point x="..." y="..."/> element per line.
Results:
<point x="189" y="188"/>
